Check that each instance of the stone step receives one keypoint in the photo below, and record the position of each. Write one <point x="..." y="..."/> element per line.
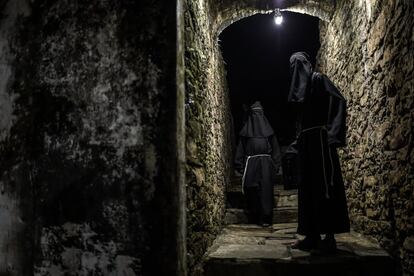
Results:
<point x="278" y="190"/>
<point x="246" y="250"/>
<point x="280" y="215"/>
<point x="282" y="198"/>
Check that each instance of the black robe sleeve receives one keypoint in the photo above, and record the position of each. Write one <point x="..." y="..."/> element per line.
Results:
<point x="239" y="156"/>
<point x="276" y="153"/>
<point x="336" y="114"/>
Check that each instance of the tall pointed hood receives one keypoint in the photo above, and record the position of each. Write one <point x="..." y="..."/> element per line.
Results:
<point x="256" y="124"/>
<point x="301" y="73"/>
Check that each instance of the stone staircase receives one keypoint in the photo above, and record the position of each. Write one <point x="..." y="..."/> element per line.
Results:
<point x="245" y="250"/>
<point x="285" y="210"/>
<point x="286" y="206"/>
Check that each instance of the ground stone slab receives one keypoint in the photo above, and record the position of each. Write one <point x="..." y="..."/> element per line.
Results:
<point x="253" y="250"/>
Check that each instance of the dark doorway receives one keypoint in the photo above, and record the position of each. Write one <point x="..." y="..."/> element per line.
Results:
<point x="256" y="53"/>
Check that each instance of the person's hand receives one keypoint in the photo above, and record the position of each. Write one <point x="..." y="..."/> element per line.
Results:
<point x="278" y="170"/>
<point x="237" y="173"/>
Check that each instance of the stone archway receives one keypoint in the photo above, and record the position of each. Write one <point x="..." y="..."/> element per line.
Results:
<point x="227" y="12"/>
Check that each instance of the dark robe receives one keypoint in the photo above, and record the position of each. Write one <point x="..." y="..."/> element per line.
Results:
<point x="321" y="129"/>
<point x="258" y="160"/>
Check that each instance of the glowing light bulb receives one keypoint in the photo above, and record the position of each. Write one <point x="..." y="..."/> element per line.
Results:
<point x="278" y="18"/>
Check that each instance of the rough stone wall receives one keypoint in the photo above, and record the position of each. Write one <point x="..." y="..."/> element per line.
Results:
<point x="208" y="121"/>
<point x="367" y="50"/>
<point x="87" y="136"/>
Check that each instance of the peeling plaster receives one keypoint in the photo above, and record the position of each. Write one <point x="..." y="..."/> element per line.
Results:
<point x="12" y="11"/>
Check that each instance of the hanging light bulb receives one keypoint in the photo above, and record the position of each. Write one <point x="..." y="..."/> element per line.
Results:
<point x="277" y="17"/>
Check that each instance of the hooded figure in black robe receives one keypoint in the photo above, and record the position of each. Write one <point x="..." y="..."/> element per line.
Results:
<point x="258" y="160"/>
<point x="320" y="128"/>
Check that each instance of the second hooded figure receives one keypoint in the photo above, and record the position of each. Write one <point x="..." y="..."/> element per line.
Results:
<point x="258" y="160"/>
